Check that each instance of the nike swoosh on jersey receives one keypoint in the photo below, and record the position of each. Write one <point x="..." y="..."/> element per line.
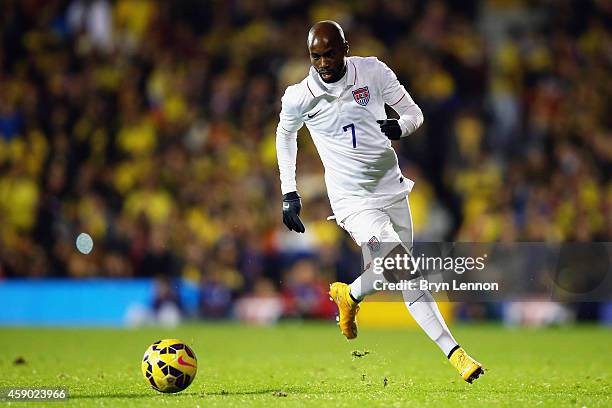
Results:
<point x="314" y="114"/>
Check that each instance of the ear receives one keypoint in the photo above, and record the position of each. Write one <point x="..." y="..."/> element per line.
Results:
<point x="346" y="48"/>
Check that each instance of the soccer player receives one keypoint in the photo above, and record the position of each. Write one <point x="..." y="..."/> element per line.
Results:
<point x="342" y="102"/>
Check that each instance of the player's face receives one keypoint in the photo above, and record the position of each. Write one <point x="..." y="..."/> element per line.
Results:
<point x="328" y="59"/>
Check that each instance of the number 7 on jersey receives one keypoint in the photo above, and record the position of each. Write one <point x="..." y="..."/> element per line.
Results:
<point x="352" y="127"/>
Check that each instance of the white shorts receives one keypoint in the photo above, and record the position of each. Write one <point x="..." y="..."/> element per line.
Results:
<point x="390" y="224"/>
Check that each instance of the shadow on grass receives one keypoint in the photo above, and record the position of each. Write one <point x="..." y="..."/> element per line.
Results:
<point x="133" y="395"/>
<point x="266" y="391"/>
<point x="270" y="391"/>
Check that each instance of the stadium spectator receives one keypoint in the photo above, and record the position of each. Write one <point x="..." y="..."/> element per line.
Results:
<point x="150" y="126"/>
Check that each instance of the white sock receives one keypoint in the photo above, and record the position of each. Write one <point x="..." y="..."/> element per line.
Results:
<point x="356" y="291"/>
<point x="425" y="312"/>
<point x="364" y="285"/>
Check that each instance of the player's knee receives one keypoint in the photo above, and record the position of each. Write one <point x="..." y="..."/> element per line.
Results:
<point x="400" y="268"/>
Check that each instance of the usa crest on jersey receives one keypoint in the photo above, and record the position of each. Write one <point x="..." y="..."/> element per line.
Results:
<point x="374" y="244"/>
<point x="362" y="96"/>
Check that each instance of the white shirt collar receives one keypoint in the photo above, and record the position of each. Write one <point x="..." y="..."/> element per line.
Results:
<point x="317" y="87"/>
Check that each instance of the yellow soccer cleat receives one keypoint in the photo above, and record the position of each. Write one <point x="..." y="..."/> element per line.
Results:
<point x="469" y="368"/>
<point x="340" y="293"/>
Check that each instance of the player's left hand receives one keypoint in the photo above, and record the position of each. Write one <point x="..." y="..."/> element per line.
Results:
<point x="391" y="128"/>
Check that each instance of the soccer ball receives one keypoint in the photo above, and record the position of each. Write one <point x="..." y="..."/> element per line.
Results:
<point x="169" y="365"/>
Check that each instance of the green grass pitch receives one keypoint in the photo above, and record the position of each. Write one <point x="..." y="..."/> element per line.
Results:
<point x="312" y="365"/>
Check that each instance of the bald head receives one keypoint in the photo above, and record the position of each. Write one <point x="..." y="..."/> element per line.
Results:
<point x="328" y="31"/>
<point x="328" y="50"/>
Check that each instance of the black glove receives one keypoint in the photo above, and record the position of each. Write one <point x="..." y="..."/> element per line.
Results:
<point x="391" y="128"/>
<point x="292" y="205"/>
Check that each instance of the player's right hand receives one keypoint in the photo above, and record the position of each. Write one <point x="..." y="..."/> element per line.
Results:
<point x="292" y="205"/>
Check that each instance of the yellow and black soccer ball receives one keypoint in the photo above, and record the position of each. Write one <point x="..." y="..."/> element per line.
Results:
<point x="169" y="365"/>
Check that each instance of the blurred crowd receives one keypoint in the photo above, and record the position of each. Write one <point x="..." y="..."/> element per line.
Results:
<point x="151" y="126"/>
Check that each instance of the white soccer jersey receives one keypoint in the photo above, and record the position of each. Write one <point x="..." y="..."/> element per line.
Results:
<point x="361" y="167"/>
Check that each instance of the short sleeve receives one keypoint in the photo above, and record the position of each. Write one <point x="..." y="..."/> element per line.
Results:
<point x="392" y="90"/>
<point x="290" y="119"/>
